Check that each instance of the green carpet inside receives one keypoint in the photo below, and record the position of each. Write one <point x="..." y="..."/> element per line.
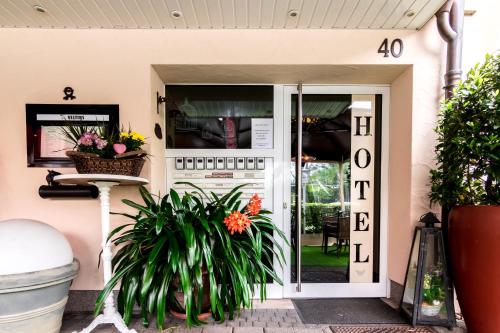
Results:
<point x="314" y="256"/>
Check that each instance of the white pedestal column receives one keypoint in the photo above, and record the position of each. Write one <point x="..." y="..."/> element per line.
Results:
<point x="110" y="315"/>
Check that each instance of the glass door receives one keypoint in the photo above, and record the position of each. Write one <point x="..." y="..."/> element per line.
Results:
<point x="332" y="140"/>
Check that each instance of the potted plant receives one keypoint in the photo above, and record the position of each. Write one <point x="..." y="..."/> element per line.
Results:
<point x="207" y="249"/>
<point x="97" y="151"/>
<point x="467" y="179"/>
<point x="432" y="294"/>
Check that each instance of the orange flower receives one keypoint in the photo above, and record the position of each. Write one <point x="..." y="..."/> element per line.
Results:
<point x="236" y="221"/>
<point x="254" y="206"/>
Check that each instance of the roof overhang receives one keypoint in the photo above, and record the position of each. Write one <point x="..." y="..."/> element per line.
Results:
<point x="218" y="14"/>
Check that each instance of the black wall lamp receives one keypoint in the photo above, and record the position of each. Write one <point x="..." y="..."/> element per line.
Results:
<point x="54" y="190"/>
<point x="159" y="100"/>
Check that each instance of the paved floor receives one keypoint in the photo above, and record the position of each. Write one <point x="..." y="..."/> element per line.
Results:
<point x="256" y="321"/>
<point x="271" y="317"/>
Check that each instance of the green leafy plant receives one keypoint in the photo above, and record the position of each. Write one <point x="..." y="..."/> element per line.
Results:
<point x="468" y="149"/>
<point x="175" y="242"/>
<point x="433" y="292"/>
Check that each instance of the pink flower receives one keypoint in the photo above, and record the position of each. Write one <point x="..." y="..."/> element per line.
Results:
<point x="100" y="143"/>
<point x="86" y="139"/>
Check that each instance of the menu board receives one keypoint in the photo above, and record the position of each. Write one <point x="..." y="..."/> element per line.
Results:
<point x="53" y="143"/>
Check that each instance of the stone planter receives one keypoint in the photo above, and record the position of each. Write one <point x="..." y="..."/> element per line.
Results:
<point x="32" y="293"/>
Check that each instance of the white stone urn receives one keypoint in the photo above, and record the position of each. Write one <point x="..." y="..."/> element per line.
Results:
<point x="36" y="270"/>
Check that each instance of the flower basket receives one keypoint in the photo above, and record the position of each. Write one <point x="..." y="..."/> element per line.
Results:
<point x="127" y="164"/>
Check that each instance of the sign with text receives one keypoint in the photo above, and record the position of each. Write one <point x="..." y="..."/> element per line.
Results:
<point x="262" y="133"/>
<point x="362" y="188"/>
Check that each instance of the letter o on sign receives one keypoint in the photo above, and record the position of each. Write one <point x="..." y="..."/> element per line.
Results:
<point x="362" y="158"/>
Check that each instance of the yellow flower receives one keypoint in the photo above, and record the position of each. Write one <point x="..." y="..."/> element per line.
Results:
<point x="124" y="134"/>
<point x="137" y="136"/>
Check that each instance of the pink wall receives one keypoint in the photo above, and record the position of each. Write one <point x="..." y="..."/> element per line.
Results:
<point x="114" y="66"/>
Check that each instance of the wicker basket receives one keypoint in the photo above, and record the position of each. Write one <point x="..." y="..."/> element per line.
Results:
<point x="128" y="164"/>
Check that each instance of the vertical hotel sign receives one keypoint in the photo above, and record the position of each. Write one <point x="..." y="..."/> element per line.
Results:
<point x="362" y="188"/>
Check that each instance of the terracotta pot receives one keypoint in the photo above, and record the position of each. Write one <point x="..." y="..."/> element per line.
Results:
<point x="474" y="236"/>
<point x="179" y="310"/>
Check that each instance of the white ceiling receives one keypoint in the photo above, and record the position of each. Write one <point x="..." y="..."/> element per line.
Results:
<point x="218" y="14"/>
<point x="280" y="74"/>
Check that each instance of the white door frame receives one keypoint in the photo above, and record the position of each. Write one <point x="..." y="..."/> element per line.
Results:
<point x="318" y="290"/>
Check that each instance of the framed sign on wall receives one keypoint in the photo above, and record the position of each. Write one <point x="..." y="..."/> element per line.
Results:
<point x="45" y="144"/>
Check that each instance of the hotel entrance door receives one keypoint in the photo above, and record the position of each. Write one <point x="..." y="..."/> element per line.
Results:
<point x="333" y="189"/>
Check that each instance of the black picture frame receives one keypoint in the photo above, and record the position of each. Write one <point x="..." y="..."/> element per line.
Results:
<point x="34" y="125"/>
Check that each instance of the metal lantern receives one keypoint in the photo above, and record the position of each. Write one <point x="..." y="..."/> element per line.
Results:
<point x="427" y="297"/>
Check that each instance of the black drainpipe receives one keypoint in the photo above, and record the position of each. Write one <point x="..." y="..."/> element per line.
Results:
<point x="450" y="22"/>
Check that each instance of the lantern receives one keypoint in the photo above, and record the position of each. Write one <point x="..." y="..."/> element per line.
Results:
<point x="427" y="297"/>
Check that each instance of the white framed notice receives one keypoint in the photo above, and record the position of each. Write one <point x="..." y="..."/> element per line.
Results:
<point x="262" y="133"/>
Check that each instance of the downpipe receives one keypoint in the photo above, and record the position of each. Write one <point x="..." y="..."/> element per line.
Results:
<point x="450" y="22"/>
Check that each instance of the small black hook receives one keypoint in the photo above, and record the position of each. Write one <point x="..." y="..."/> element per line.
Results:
<point x="68" y="92"/>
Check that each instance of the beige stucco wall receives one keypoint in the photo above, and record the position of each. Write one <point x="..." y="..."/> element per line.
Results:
<point x="114" y="66"/>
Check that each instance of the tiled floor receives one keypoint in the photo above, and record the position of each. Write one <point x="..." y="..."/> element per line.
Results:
<point x="275" y="316"/>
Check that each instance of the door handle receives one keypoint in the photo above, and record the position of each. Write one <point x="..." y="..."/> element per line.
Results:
<point x="298" y="189"/>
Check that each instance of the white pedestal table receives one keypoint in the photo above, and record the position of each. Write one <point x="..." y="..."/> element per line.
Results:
<point x="104" y="183"/>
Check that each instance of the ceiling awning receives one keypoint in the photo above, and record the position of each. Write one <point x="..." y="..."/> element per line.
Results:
<point x="218" y="14"/>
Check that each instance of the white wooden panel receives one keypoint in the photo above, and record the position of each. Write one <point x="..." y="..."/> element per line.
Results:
<point x="147" y="9"/>
<point x="429" y="9"/>
<point x="241" y="13"/>
<point x="189" y="14"/>
<point x="361" y="10"/>
<point x="371" y="14"/>
<point x="306" y="13"/>
<point x="20" y="17"/>
<point x="292" y="22"/>
<point x="162" y="13"/>
<point x="95" y="12"/>
<point x="384" y="13"/>
<point x="179" y="23"/>
<point x="215" y="13"/>
<point x="124" y="15"/>
<point x="267" y="13"/>
<point x="53" y="14"/>
<point x="82" y="15"/>
<point x="227" y="8"/>
<point x="319" y="14"/>
<point x="110" y="13"/>
<point x="397" y="14"/>
<point x="346" y="13"/>
<point x="201" y="12"/>
<point x="333" y="13"/>
<point x="405" y="20"/>
<point x="254" y="12"/>
<point x="75" y="17"/>
<point x="280" y="14"/>
<point x="136" y="13"/>
<point x="8" y="19"/>
<point x="218" y="14"/>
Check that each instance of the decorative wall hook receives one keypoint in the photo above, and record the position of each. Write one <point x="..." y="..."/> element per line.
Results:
<point x="68" y="93"/>
<point x="159" y="100"/>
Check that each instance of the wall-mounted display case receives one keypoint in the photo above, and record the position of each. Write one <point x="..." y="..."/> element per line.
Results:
<point x="45" y="144"/>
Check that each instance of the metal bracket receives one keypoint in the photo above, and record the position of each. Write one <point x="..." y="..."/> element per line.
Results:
<point x="159" y="100"/>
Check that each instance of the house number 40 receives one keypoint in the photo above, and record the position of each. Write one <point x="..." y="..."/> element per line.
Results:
<point x="396" y="48"/>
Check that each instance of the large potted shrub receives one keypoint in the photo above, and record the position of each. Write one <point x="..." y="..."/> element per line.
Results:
<point x="467" y="179"/>
<point x="193" y="254"/>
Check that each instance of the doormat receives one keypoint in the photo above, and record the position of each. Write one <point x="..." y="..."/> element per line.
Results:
<point x="346" y="311"/>
<point x="381" y="329"/>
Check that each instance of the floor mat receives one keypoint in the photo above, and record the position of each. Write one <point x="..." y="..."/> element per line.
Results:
<point x="347" y="311"/>
<point x="381" y="329"/>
